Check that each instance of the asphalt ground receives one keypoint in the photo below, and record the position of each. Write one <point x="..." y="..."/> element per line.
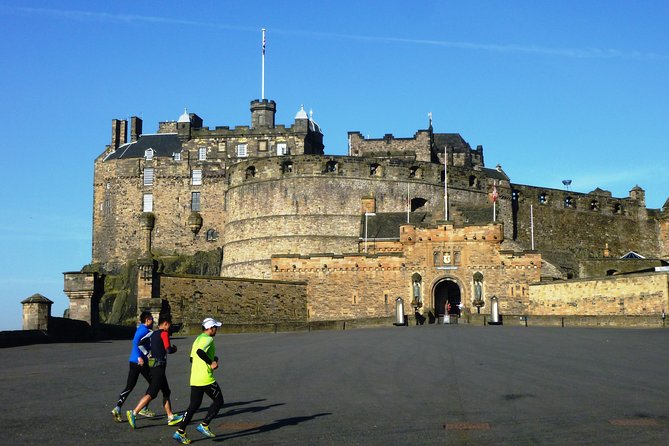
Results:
<point x="428" y="385"/>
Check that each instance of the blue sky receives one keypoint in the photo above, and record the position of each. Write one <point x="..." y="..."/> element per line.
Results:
<point x="552" y="90"/>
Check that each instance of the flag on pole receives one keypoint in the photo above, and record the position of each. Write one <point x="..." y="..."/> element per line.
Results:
<point x="263" y="42"/>
<point x="494" y="193"/>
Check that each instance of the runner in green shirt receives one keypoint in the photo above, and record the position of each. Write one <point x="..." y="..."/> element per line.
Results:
<point x="203" y="362"/>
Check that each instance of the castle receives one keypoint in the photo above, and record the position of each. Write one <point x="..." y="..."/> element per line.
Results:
<point x="297" y="234"/>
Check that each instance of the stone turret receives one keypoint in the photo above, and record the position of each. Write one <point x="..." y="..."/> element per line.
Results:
<point x="262" y="113"/>
<point x="36" y="312"/>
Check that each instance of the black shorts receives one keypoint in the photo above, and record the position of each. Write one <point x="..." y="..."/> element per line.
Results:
<point x="159" y="382"/>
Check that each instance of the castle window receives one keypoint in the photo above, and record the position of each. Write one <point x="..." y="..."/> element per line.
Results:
<point x="287" y="167"/>
<point x="442" y="176"/>
<point x="415" y="172"/>
<point x="177" y="156"/>
<point x="281" y="149"/>
<point x="147" y="204"/>
<point x="569" y="202"/>
<point x="250" y="172"/>
<point x="202" y="153"/>
<point x="211" y="235"/>
<point x="472" y="181"/>
<point x="195" y="201"/>
<point x="417" y="203"/>
<point x="617" y="208"/>
<point x="543" y="198"/>
<point x="196" y="178"/>
<point x="148" y="176"/>
<point x="515" y="195"/>
<point x="148" y="154"/>
<point x="594" y="205"/>
<point x="331" y="167"/>
<point x="242" y="150"/>
<point x="375" y="170"/>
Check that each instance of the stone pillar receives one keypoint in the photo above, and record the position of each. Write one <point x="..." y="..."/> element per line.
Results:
<point x="145" y="284"/>
<point x="80" y="288"/>
<point x="146" y="223"/>
<point x="36" y="312"/>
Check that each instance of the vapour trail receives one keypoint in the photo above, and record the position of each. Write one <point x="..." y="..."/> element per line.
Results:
<point x="580" y="53"/>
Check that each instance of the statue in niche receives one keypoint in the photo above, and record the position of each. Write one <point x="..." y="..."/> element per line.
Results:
<point x="417" y="299"/>
<point x="478" y="291"/>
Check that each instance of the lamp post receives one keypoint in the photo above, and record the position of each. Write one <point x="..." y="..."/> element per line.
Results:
<point x="367" y="215"/>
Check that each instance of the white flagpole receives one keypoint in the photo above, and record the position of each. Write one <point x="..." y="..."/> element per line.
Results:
<point x="532" y="225"/>
<point x="408" y="204"/>
<point x="494" y="210"/>
<point x="494" y="201"/>
<point x="445" y="184"/>
<point x="263" y="64"/>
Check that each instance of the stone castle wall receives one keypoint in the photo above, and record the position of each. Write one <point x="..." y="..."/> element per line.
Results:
<point x="352" y="286"/>
<point x="232" y="301"/>
<point x="309" y="209"/>
<point x="118" y="203"/>
<point x="580" y="231"/>
<point x="632" y="295"/>
<point x="419" y="146"/>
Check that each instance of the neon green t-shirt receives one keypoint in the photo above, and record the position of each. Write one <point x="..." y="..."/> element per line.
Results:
<point x="200" y="372"/>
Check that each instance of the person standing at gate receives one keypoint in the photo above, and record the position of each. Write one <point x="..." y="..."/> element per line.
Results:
<point x="203" y="363"/>
<point x="138" y="365"/>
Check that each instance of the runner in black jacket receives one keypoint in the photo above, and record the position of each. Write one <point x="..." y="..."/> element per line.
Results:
<point x="159" y="341"/>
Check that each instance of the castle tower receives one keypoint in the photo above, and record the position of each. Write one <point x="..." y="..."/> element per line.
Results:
<point x="36" y="312"/>
<point x="184" y="126"/>
<point x="262" y="113"/>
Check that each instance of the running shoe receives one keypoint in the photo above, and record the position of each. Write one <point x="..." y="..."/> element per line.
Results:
<point x="176" y="419"/>
<point x="116" y="413"/>
<point x="131" y="418"/>
<point x="181" y="438"/>
<point x="146" y="412"/>
<point x="204" y="430"/>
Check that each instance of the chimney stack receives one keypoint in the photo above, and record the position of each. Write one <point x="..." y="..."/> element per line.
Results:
<point x="135" y="128"/>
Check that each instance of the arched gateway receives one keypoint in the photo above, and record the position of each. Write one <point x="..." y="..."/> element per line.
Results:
<point x="447" y="291"/>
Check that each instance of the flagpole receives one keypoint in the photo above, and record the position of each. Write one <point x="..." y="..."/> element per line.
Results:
<point x="408" y="204"/>
<point x="263" y="64"/>
<point x="445" y="184"/>
<point x="494" y="210"/>
<point x="532" y="225"/>
<point x="494" y="200"/>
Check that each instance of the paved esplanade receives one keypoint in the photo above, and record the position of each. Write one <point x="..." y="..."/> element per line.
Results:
<point x="396" y="385"/>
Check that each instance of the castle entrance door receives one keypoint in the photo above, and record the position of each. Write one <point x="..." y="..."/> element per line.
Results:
<point x="447" y="292"/>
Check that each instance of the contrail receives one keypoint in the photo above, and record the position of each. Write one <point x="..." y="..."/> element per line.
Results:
<point x="580" y="53"/>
